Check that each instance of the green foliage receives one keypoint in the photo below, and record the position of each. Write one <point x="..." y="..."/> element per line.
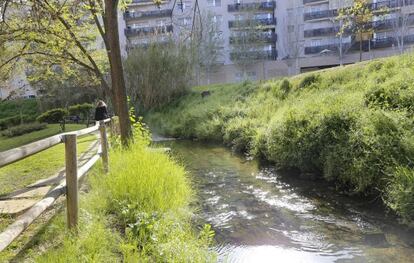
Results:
<point x="149" y="195"/>
<point x="12" y="108"/>
<point x="84" y="110"/>
<point x="23" y="129"/>
<point x="309" y="81"/>
<point x="285" y="86"/>
<point x="400" y="192"/>
<point x="158" y="74"/>
<point x="15" y="120"/>
<point x="53" y="116"/>
<point x="351" y="125"/>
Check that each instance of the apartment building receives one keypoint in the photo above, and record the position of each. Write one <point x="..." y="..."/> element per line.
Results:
<point x="322" y="46"/>
<point x="145" y="22"/>
<point x="293" y="36"/>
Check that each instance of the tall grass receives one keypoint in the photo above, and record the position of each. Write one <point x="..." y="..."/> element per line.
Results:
<point x="352" y="125"/>
<point x="139" y="212"/>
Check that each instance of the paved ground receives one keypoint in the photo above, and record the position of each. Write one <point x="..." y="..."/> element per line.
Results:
<point x="21" y="200"/>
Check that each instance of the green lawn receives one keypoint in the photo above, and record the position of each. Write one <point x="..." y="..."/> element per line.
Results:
<point x="7" y="143"/>
<point x="41" y="165"/>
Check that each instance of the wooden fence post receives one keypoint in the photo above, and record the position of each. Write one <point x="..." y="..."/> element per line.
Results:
<point x="71" y="180"/>
<point x="104" y="146"/>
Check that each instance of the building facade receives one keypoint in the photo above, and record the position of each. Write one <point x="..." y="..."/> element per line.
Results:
<point x="16" y="87"/>
<point x="289" y="36"/>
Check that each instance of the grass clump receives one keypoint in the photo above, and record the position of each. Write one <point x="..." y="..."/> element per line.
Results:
<point x="351" y="125"/>
<point x="139" y="212"/>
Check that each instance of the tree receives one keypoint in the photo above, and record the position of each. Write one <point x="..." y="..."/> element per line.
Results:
<point x="357" y="19"/>
<point x="207" y="43"/>
<point x="400" y="25"/>
<point x="61" y="36"/>
<point x="338" y="24"/>
<point x="158" y="73"/>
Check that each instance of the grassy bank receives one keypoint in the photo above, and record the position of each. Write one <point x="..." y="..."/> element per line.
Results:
<point x="139" y="212"/>
<point x="352" y="125"/>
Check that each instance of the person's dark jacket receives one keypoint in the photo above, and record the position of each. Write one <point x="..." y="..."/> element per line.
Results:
<point x="101" y="113"/>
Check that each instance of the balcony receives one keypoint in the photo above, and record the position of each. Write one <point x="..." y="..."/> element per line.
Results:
<point x="141" y="1"/>
<point x="328" y="31"/>
<point x="318" y="49"/>
<point x="254" y="55"/>
<point x="147" y="14"/>
<point x="390" y="4"/>
<point x="271" y="5"/>
<point x="321" y="14"/>
<point x="252" y="23"/>
<point x="313" y="1"/>
<point x="144" y="31"/>
<point x="260" y="37"/>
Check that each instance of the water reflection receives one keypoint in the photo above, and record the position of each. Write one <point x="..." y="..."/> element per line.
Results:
<point x="260" y="215"/>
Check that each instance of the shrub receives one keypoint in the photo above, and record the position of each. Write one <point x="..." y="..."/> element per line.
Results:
<point x="11" y="108"/>
<point x="309" y="81"/>
<point x="53" y="116"/>
<point x="84" y="110"/>
<point x="23" y="129"/>
<point x="158" y="74"/>
<point x="15" y="120"/>
<point x="285" y="86"/>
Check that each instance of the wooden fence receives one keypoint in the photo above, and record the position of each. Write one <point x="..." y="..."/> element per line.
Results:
<point x="73" y="175"/>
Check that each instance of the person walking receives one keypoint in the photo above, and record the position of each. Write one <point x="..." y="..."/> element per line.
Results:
<point x="101" y="111"/>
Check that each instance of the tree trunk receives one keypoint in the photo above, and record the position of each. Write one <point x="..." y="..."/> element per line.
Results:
<point x="117" y="73"/>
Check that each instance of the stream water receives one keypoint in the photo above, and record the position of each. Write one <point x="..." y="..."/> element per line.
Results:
<point x="261" y="215"/>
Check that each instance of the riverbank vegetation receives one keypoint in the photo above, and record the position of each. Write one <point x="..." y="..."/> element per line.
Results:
<point x="351" y="125"/>
<point x="139" y="212"/>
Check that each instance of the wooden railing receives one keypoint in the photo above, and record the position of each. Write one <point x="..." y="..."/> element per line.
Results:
<point x="69" y="186"/>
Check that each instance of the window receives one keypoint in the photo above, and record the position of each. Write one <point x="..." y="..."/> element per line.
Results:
<point x="184" y="21"/>
<point x="217" y="19"/>
<point x="214" y="2"/>
<point x="291" y="28"/>
<point x="263" y="16"/>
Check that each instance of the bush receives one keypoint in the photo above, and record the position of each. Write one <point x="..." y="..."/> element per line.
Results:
<point x="53" y="116"/>
<point x="285" y="86"/>
<point x="84" y="110"/>
<point x="23" y="129"/>
<point x="11" y="108"/>
<point x="15" y="120"/>
<point x="309" y="81"/>
<point x="158" y="74"/>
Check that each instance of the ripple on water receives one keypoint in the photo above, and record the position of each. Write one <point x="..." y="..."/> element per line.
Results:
<point x="272" y="254"/>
